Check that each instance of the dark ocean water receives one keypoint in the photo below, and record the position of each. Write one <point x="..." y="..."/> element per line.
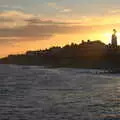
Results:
<point x="38" y="93"/>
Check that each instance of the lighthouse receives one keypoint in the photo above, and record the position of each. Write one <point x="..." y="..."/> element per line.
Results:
<point x="114" y="38"/>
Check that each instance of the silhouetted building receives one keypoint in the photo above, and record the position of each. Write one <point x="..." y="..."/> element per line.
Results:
<point x="114" y="38"/>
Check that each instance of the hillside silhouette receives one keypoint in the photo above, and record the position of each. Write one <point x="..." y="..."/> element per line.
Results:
<point x="90" y="54"/>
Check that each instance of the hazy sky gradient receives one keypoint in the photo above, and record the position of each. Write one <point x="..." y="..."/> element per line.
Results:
<point x="38" y="24"/>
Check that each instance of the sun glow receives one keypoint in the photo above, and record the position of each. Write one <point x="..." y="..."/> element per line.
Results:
<point x="109" y="35"/>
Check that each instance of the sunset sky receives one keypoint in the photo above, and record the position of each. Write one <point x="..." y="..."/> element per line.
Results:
<point x="39" y="24"/>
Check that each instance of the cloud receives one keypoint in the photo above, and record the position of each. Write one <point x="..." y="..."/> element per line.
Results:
<point x="7" y="41"/>
<point x="11" y="19"/>
<point x="39" y="30"/>
<point x="25" y="27"/>
<point x="11" y="7"/>
<point x="59" y="8"/>
<point x="113" y="12"/>
<point x="66" y="10"/>
<point x="19" y="24"/>
<point x="38" y="21"/>
<point x="17" y="40"/>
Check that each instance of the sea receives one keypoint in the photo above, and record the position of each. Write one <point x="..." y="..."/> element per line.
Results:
<point x="40" y="93"/>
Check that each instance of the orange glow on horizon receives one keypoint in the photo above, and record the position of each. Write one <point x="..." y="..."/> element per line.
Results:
<point x="56" y="40"/>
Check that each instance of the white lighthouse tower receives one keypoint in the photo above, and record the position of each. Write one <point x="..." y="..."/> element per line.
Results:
<point x="114" y="38"/>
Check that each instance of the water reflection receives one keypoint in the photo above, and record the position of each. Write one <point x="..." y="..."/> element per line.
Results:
<point x="35" y="93"/>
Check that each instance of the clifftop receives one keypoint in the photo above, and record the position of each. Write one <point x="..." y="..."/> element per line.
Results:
<point x="90" y="54"/>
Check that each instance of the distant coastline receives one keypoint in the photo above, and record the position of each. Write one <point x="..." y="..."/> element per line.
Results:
<point x="90" y="54"/>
